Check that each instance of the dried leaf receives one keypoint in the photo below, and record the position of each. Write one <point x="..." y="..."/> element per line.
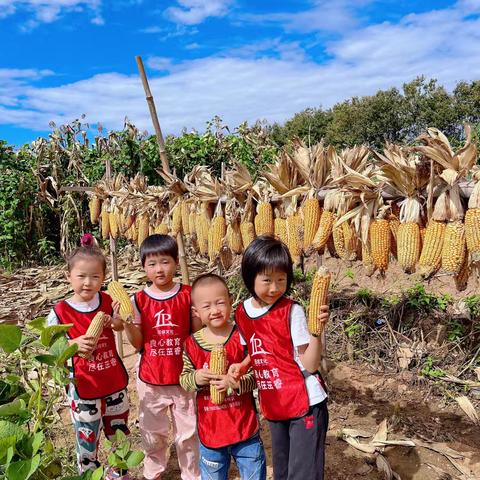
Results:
<point x="466" y="405"/>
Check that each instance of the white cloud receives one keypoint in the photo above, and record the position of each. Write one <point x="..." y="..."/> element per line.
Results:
<point x="159" y="63"/>
<point x="193" y="12"/>
<point x="249" y="84"/>
<point x="48" y="11"/>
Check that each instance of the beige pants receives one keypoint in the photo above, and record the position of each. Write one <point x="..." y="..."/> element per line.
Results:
<point x="155" y="404"/>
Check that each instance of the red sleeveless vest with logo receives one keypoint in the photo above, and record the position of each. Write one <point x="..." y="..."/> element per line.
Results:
<point x="280" y="381"/>
<point x="235" y="420"/>
<point x="165" y="326"/>
<point x="104" y="373"/>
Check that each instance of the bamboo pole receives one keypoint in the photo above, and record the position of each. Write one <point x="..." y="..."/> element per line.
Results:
<point x="114" y="261"/>
<point x="164" y="159"/>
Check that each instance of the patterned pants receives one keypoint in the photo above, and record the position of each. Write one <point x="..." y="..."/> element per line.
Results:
<point x="89" y="417"/>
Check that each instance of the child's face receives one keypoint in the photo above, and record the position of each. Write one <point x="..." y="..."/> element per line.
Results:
<point x="160" y="270"/>
<point x="86" y="277"/>
<point x="212" y="303"/>
<point x="270" y="286"/>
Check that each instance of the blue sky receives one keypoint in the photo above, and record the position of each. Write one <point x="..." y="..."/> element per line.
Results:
<point x="240" y="59"/>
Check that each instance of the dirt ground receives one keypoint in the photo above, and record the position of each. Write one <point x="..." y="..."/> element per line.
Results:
<point x="361" y="399"/>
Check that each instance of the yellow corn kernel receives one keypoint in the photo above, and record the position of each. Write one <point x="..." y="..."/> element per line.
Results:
<point x="264" y="219"/>
<point x="453" y="250"/>
<point x="408" y="246"/>
<point x="431" y="256"/>
<point x="119" y="294"/>
<point x="325" y="227"/>
<point x="380" y="243"/>
<point x="248" y="233"/>
<point x="218" y="366"/>
<point x="95" y="329"/>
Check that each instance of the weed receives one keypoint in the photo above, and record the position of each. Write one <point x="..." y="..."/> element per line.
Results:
<point x="365" y="295"/>
<point x="473" y="304"/>
<point x="430" y="371"/>
<point x="352" y="327"/>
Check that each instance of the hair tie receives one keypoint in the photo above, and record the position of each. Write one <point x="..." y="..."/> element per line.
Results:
<point x="88" y="240"/>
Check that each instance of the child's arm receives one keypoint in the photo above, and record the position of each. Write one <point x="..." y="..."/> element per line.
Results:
<point x="311" y="354"/>
<point x="237" y="370"/>
<point x="192" y="380"/>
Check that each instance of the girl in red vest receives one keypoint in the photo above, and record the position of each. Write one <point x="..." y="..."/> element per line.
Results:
<point x="285" y="359"/>
<point x="162" y="324"/>
<point x="230" y="429"/>
<point x="98" y="392"/>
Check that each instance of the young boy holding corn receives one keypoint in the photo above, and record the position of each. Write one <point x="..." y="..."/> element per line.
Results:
<point x="162" y="324"/>
<point x="227" y="419"/>
<point x="285" y="359"/>
<point x="98" y="392"/>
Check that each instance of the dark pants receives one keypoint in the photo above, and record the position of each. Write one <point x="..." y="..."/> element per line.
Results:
<point x="298" y="445"/>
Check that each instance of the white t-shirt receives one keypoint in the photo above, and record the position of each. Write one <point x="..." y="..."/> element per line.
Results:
<point x="84" y="307"/>
<point x="300" y="336"/>
<point x="157" y="296"/>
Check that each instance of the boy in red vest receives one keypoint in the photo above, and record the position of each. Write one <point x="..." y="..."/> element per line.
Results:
<point x="231" y="428"/>
<point x="163" y="323"/>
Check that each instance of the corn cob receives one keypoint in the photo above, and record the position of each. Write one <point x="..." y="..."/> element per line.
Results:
<point x="134" y="230"/>
<point x="472" y="232"/>
<point x="331" y="247"/>
<point x="350" y="240"/>
<point x="185" y="218"/>
<point x="380" y="243"/>
<point x="113" y="222"/>
<point x="143" y="228"/>
<point x="453" y="250"/>
<point x="202" y="227"/>
<point x="408" y="245"/>
<point x="234" y="238"/>
<point x="105" y="223"/>
<point x="311" y="220"/>
<point x="177" y="220"/>
<point x="325" y="227"/>
<point x="264" y="219"/>
<point x="248" y="233"/>
<point x="318" y="297"/>
<point x="191" y="222"/>
<point x="95" y="329"/>
<point x="367" y="259"/>
<point x="161" y="229"/>
<point x="119" y="294"/>
<point x="461" y="278"/>
<point x="339" y="241"/>
<point x="95" y="207"/>
<point x="431" y="256"/>
<point x="280" y="228"/>
<point x="393" y="223"/>
<point x="216" y="235"/>
<point x="293" y="237"/>
<point x="218" y="366"/>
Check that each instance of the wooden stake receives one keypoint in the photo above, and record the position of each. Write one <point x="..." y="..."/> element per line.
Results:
<point x="164" y="159"/>
<point x="114" y="261"/>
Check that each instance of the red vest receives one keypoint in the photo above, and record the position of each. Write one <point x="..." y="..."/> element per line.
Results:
<point x="235" y="420"/>
<point x="281" y="384"/>
<point x="104" y="373"/>
<point x="165" y="326"/>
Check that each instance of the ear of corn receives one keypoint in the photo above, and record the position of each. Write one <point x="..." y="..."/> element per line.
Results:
<point x="161" y="229"/>
<point x="248" y="233"/>
<point x="472" y="232"/>
<point x="431" y="256"/>
<point x="264" y="219"/>
<point x="119" y="294"/>
<point x="408" y="246"/>
<point x="177" y="220"/>
<point x="185" y="212"/>
<point x="95" y="207"/>
<point x="453" y="250"/>
<point x="350" y="241"/>
<point x="294" y="243"/>
<point x="367" y="259"/>
<point x="95" y="329"/>
<point x="280" y="228"/>
<point x="113" y="222"/>
<point x="216" y="235"/>
<point x="191" y="222"/>
<point x="318" y="297"/>
<point x="339" y="241"/>
<point x="234" y="238"/>
<point x="393" y="223"/>
<point x="461" y="278"/>
<point x="143" y="228"/>
<point x="325" y="227"/>
<point x="380" y="243"/>
<point x="202" y="228"/>
<point x="311" y="219"/>
<point x="105" y="220"/>
<point x="218" y="366"/>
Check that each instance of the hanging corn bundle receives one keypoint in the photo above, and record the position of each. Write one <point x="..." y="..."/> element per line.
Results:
<point x="318" y="297"/>
<point x="218" y="366"/>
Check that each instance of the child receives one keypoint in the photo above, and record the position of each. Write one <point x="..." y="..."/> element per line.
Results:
<point x="285" y="360"/>
<point x="162" y="324"/>
<point x="229" y="429"/>
<point x="98" y="392"/>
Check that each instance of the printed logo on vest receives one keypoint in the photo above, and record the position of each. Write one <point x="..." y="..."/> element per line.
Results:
<point x="257" y="346"/>
<point x="163" y="320"/>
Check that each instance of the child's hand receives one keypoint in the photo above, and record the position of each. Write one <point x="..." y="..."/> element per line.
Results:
<point x="235" y="371"/>
<point x="202" y="377"/>
<point x="323" y="315"/>
<point x="233" y="384"/>
<point x="86" y="345"/>
<point x="221" y="382"/>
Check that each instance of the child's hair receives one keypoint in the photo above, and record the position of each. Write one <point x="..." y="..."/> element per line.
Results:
<point x="86" y="253"/>
<point x="158" y="245"/>
<point x="266" y="254"/>
<point x="208" y="279"/>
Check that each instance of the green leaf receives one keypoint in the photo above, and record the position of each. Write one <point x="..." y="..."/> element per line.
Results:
<point x="23" y="469"/>
<point x="10" y="338"/>
<point x="47" y="359"/>
<point x="50" y="334"/>
<point x="5" y="444"/>
<point x="37" y="324"/>
<point x="122" y="450"/>
<point x="120" y="436"/>
<point x="135" y="458"/>
<point x="66" y="354"/>
<point x="107" y="444"/>
<point x="97" y="474"/>
<point x="13" y="408"/>
<point x="37" y="441"/>
<point x="9" y="429"/>
<point x="113" y="460"/>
